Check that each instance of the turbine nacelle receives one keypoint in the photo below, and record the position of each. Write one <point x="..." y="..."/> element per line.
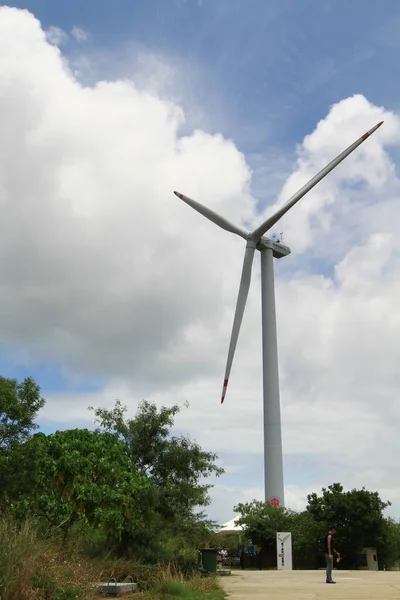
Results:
<point x="278" y="248"/>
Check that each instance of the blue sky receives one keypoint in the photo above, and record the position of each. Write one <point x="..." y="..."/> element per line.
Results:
<point x="261" y="72"/>
<point x="269" y="68"/>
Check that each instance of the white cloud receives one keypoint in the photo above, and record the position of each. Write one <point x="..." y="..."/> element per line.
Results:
<point x="110" y="261"/>
<point x="333" y="206"/>
<point x="104" y="272"/>
<point x="79" y="34"/>
<point x="56" y="36"/>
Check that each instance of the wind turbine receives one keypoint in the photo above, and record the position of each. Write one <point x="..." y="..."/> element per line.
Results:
<point x="273" y="461"/>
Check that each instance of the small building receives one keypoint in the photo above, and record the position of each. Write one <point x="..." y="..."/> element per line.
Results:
<point x="367" y="559"/>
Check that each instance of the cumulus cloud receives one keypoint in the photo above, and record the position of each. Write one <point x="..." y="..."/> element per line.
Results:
<point x="59" y="37"/>
<point x="56" y="36"/>
<point x="107" y="275"/>
<point x="334" y="206"/>
<point x="111" y="274"/>
<point x="79" y="34"/>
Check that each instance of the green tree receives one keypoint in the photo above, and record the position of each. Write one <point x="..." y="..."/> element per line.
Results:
<point x="19" y="404"/>
<point x="358" y="515"/>
<point x="261" y="521"/>
<point x="389" y="552"/>
<point x="176" y="465"/>
<point x="305" y="533"/>
<point x="224" y="539"/>
<point x="86" y="477"/>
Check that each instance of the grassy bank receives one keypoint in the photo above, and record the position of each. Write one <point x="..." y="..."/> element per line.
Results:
<point x="192" y="589"/>
<point x="35" y="568"/>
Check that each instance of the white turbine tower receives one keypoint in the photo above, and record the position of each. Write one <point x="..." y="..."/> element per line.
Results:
<point x="273" y="462"/>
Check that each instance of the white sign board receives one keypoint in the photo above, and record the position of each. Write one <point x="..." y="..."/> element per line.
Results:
<point x="284" y="551"/>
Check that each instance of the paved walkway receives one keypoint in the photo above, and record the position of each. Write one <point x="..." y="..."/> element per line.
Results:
<point x="310" y="585"/>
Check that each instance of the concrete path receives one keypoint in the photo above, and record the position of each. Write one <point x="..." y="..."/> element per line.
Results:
<point x="310" y="585"/>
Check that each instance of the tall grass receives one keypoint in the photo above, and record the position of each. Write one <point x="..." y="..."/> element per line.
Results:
<point x="34" y="569"/>
<point x="193" y="589"/>
<point x="20" y="552"/>
<point x="170" y="585"/>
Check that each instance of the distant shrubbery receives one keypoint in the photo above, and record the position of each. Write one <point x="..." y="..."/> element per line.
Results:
<point x="358" y="515"/>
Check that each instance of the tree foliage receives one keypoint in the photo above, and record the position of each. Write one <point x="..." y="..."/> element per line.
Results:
<point x="358" y="515"/>
<point x="177" y="466"/>
<point x="261" y="521"/>
<point x="131" y="479"/>
<point x="128" y="489"/>
<point x="19" y="405"/>
<point x="87" y="477"/>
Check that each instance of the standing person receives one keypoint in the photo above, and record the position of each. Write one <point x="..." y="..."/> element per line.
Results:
<point x="329" y="552"/>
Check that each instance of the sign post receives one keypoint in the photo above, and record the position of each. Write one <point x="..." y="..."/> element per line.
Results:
<point x="284" y="551"/>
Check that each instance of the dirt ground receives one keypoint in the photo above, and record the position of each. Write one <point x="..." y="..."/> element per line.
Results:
<point x="310" y="585"/>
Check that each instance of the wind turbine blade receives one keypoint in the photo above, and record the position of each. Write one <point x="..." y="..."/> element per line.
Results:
<point x="240" y="306"/>
<point x="213" y="216"/>
<point x="270" y="222"/>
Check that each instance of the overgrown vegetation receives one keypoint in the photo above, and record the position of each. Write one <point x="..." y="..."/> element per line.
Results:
<point x="196" y="588"/>
<point x="124" y="499"/>
<point x="36" y="568"/>
<point x="33" y="567"/>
